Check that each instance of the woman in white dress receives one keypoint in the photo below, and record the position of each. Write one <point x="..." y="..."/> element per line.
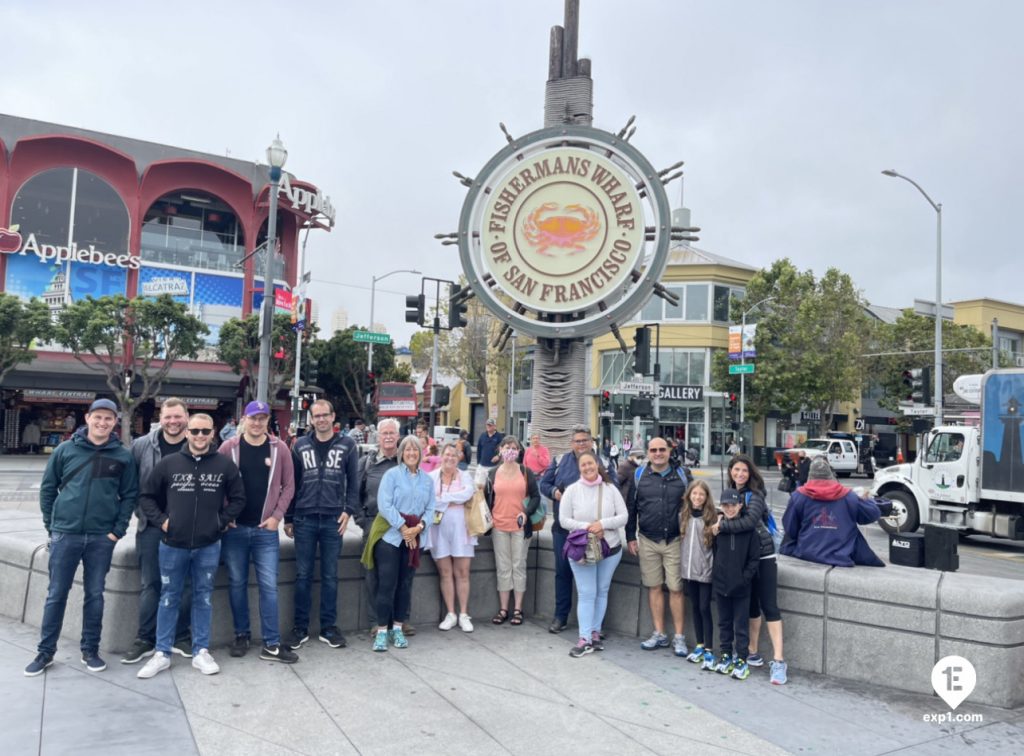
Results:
<point x="450" y="545"/>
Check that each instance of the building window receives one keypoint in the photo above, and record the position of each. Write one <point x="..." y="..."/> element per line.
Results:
<point x="525" y="380"/>
<point x="193" y="229"/>
<point x="697" y="303"/>
<point x="62" y="207"/>
<point x="724" y="295"/>
<point x="675" y="312"/>
<point x="615" y="368"/>
<point x="652" y="310"/>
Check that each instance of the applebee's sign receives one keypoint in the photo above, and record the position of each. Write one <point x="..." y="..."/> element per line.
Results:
<point x="306" y="200"/>
<point x="11" y="242"/>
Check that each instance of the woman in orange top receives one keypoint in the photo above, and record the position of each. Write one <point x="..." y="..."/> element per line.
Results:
<point x="512" y="494"/>
<point x="537" y="457"/>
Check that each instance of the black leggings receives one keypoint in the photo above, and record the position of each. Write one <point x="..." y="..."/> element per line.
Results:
<point x="394" y="583"/>
<point x="764" y="591"/>
<point x="699" y="596"/>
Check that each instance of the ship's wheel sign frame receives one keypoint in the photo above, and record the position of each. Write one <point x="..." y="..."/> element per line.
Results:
<point x="565" y="232"/>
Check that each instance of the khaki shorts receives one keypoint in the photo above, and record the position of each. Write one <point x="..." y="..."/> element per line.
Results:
<point x="660" y="563"/>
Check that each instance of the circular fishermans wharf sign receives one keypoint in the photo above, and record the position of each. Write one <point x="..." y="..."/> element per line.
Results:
<point x="565" y="232"/>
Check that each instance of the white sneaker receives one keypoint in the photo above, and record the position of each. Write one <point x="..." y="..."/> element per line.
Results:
<point x="465" y="623"/>
<point x="157" y="663"/>
<point x="449" y="621"/>
<point x="205" y="663"/>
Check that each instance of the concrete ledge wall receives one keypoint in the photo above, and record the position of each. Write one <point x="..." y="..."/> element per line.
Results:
<point x="834" y="618"/>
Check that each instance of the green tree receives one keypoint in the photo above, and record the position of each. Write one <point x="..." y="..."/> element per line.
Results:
<point x="421" y="344"/>
<point x="21" y="323"/>
<point x="343" y="376"/>
<point x="810" y="338"/>
<point x="239" y="348"/>
<point x="916" y="333"/>
<point x="132" y="341"/>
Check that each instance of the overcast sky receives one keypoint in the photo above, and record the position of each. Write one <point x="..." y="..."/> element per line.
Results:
<point x="784" y="111"/>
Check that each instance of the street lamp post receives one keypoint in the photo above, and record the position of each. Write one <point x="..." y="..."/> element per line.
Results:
<point x="937" y="206"/>
<point x="743" y="359"/>
<point x="373" y="297"/>
<point x="276" y="157"/>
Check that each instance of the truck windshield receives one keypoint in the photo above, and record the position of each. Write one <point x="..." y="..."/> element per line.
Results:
<point x="817" y="444"/>
<point x="945" y="447"/>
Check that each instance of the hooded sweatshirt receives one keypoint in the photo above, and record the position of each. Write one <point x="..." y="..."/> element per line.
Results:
<point x="198" y="495"/>
<point x="736" y="559"/>
<point x="696" y="557"/>
<point x="821" y="525"/>
<point x="280" y="482"/>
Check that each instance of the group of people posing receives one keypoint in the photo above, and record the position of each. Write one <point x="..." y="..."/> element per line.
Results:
<point x="197" y="506"/>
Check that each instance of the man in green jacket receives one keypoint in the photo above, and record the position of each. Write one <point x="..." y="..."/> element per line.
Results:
<point x="87" y="496"/>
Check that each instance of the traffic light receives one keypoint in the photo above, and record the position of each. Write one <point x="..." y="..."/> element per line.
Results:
<point x="606" y="401"/>
<point x="415" y="306"/>
<point x="371" y="383"/>
<point x="732" y="402"/>
<point x="457" y="296"/>
<point x="312" y="371"/>
<point x="642" y="358"/>
<point x="442" y="395"/>
<point x="918" y="385"/>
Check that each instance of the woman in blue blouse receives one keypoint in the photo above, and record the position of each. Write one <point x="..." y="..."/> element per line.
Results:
<point x="405" y="502"/>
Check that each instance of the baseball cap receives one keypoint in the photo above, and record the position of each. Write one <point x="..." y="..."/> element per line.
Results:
<point x="103" y="404"/>
<point x="256" y="408"/>
<point x="730" y="496"/>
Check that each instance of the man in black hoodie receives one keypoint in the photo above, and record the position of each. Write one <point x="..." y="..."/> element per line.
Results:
<point x="191" y="496"/>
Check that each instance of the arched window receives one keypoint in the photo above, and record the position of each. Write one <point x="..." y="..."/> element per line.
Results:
<point x="75" y="231"/>
<point x="193" y="229"/>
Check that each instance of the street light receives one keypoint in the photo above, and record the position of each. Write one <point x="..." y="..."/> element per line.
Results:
<point x="276" y="157"/>
<point x="743" y="358"/>
<point x="373" y="296"/>
<point x="938" y="292"/>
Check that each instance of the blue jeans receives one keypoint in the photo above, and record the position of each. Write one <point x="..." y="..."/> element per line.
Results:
<point x="66" y="551"/>
<point x="147" y="547"/>
<point x="262" y="546"/>
<point x="563" y="575"/>
<point x="592" y="584"/>
<point x="175" y="565"/>
<point x="311" y="531"/>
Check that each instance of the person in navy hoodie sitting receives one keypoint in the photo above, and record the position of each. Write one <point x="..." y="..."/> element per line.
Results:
<point x="821" y="521"/>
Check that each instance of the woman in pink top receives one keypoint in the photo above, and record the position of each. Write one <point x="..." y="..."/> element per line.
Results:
<point x="431" y="459"/>
<point x="512" y="494"/>
<point x="450" y="545"/>
<point x="537" y="457"/>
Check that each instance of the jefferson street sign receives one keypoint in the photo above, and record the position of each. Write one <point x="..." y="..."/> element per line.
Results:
<point x="372" y="338"/>
<point x="746" y="369"/>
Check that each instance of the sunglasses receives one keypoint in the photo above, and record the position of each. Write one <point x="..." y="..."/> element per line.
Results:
<point x="200" y="431"/>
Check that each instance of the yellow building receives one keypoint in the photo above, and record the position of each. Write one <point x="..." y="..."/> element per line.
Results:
<point x="1010" y="320"/>
<point x="690" y="331"/>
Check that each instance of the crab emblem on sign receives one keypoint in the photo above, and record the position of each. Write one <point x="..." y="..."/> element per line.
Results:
<point x="579" y="224"/>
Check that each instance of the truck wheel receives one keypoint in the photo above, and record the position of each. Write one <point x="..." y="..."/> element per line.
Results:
<point x="905" y="517"/>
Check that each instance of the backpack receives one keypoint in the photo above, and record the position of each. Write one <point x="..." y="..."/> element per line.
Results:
<point x="773" y="527"/>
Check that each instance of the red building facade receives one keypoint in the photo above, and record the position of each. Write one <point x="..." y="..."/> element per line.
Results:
<point x="99" y="214"/>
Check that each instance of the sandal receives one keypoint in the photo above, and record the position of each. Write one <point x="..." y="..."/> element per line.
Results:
<point x="500" y="618"/>
<point x="517" y="617"/>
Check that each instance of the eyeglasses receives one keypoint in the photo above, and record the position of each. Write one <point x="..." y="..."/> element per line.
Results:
<point x="581" y="440"/>
<point x="322" y="417"/>
<point x="658" y="449"/>
<point x="200" y="431"/>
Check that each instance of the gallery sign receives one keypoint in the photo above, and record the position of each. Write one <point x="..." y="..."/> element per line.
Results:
<point x="11" y="242"/>
<point x="681" y="393"/>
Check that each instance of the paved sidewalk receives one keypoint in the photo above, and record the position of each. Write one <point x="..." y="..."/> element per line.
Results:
<point x="499" y="690"/>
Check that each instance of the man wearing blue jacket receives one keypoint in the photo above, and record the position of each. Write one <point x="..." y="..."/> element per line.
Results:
<point x="562" y="473"/>
<point x="87" y="496"/>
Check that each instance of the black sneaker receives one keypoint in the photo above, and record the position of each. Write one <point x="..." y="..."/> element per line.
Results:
<point x="296" y="638"/>
<point x="39" y="664"/>
<point x="93" y="662"/>
<point x="140" y="650"/>
<point x="240" y="646"/>
<point x="582" y="648"/>
<point x="332" y="637"/>
<point x="279" y="653"/>
<point x="183" y="648"/>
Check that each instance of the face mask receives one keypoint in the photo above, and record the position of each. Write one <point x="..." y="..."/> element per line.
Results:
<point x="509" y="455"/>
